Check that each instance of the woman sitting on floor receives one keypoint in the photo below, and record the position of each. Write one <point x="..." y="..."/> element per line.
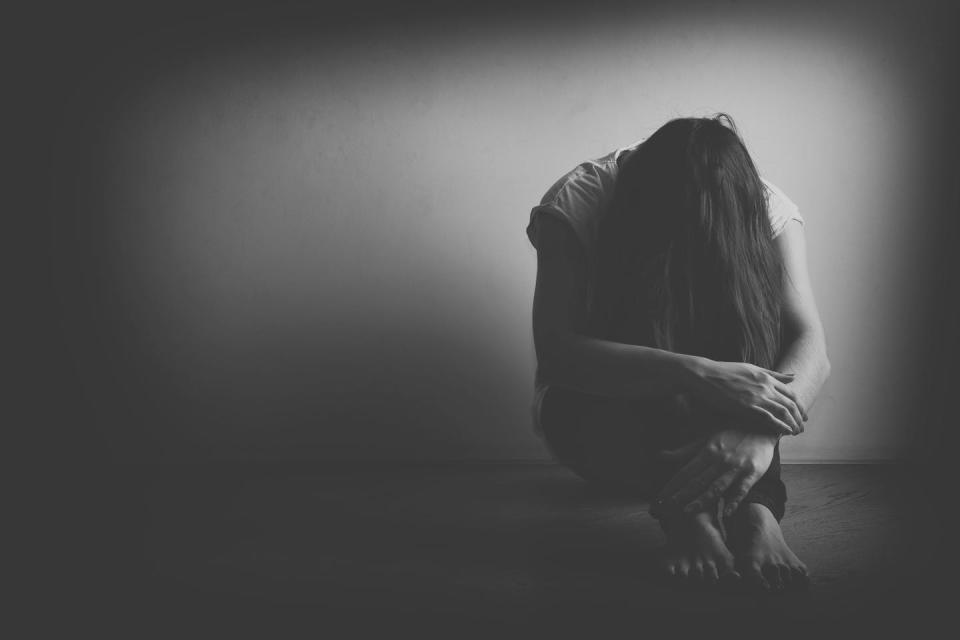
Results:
<point x="678" y="340"/>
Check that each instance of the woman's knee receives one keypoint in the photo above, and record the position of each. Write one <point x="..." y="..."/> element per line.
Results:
<point x="564" y="410"/>
<point x="609" y="436"/>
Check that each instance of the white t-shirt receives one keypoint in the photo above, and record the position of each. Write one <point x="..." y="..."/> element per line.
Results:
<point x="582" y="197"/>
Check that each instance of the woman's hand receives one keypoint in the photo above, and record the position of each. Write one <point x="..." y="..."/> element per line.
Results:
<point x="727" y="465"/>
<point x="753" y="394"/>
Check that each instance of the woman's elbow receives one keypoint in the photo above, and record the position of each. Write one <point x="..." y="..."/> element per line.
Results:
<point x="825" y="366"/>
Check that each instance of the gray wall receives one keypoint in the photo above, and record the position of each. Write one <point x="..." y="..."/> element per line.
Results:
<point x="305" y="239"/>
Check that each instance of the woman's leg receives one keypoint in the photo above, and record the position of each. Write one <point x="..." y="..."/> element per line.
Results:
<point x="700" y="546"/>
<point x="609" y="442"/>
<point x="754" y="535"/>
<point x="769" y="490"/>
<point x="613" y="443"/>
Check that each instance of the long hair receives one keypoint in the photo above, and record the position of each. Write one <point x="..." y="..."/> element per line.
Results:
<point x="685" y="258"/>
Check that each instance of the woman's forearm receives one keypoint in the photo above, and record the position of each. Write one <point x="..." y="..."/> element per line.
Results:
<point x="602" y="367"/>
<point x="806" y="356"/>
<point x="614" y="369"/>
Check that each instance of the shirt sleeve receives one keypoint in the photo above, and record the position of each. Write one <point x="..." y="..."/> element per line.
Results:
<point x="781" y="209"/>
<point x="576" y="198"/>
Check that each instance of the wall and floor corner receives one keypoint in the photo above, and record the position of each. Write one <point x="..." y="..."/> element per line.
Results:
<point x="283" y="235"/>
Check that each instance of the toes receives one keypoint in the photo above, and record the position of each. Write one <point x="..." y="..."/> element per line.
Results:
<point x="772" y="575"/>
<point x="800" y="578"/>
<point x="729" y="580"/>
<point x="785" y="575"/>
<point x="671" y="565"/>
<point x="727" y="574"/>
<point x="710" y="574"/>
<point x="729" y="571"/>
<point x="753" y="572"/>
<point x="670" y="569"/>
<point x="696" y="573"/>
<point x="683" y="570"/>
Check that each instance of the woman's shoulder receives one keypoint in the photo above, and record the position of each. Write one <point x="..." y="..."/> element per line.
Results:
<point x="579" y="196"/>
<point x="780" y="208"/>
<point x="587" y="180"/>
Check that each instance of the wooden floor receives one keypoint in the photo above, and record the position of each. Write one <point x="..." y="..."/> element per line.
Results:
<point x="471" y="548"/>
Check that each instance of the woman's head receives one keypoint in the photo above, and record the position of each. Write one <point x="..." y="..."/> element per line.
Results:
<point x="685" y="257"/>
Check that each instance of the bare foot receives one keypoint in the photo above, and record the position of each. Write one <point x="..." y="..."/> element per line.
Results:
<point x="763" y="556"/>
<point x="696" y="553"/>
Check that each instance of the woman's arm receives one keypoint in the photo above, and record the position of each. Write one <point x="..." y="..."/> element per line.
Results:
<point x="731" y="461"/>
<point x="804" y="351"/>
<point x="569" y="358"/>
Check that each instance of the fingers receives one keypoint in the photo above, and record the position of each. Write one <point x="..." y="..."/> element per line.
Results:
<point x="696" y="485"/>
<point x="776" y="423"/>
<point x="793" y="402"/>
<point x="793" y="409"/>
<point x="739" y="492"/>
<point x="792" y="394"/>
<point x="782" y="377"/>
<point x="683" y="477"/>
<point x="713" y="492"/>
<point x="683" y="452"/>
<point x="782" y="411"/>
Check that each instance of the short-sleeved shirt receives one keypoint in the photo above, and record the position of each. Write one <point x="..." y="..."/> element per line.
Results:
<point x="582" y="197"/>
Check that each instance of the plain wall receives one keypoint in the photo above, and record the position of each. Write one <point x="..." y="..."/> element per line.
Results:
<point x="305" y="239"/>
